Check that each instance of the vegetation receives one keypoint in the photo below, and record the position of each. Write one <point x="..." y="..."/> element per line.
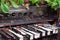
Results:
<point x="55" y="4"/>
<point x="6" y="4"/>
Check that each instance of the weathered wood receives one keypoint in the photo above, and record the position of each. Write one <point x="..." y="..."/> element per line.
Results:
<point x="58" y="12"/>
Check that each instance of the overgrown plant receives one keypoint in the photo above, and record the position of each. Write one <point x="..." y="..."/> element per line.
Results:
<point x="55" y="4"/>
<point x="6" y="4"/>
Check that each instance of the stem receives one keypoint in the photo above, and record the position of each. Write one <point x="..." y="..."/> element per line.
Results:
<point x="42" y="1"/>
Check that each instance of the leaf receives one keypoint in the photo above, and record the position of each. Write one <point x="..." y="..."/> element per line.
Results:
<point x="2" y="1"/>
<point x="5" y="8"/>
<point x="53" y="3"/>
<point x="8" y="4"/>
<point x="14" y="4"/>
<point x="34" y="1"/>
<point x="47" y="1"/>
<point x="14" y="0"/>
<point x="58" y="2"/>
<point x="54" y="7"/>
<point x="20" y="2"/>
<point x="0" y="5"/>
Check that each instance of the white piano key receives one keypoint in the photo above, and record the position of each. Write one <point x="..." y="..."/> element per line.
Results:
<point x="43" y="32"/>
<point x="37" y="35"/>
<point x="52" y="30"/>
<point x="48" y="26"/>
<point x="10" y="34"/>
<point x="49" y="30"/>
<point x="51" y="26"/>
<point x="31" y="35"/>
<point x="55" y="29"/>
<point x="44" y="29"/>
<point x="18" y="35"/>
<point x="20" y="31"/>
<point x="35" y="25"/>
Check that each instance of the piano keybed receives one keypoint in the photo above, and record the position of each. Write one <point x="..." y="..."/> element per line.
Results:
<point x="29" y="32"/>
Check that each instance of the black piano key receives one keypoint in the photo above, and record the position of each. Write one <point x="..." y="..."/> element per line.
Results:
<point x="31" y="35"/>
<point x="5" y="36"/>
<point x="48" y="35"/>
<point x="1" y="38"/>
<point x="11" y="35"/>
<point x="48" y="32"/>
<point x="26" y="37"/>
<point x="51" y="32"/>
<point x="35" y="29"/>
<point x="36" y="35"/>
<point x="54" y="29"/>
<point x="40" y="31"/>
<point x="19" y="37"/>
<point x="31" y="30"/>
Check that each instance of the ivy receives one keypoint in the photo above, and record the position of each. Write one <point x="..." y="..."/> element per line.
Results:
<point x="55" y="4"/>
<point x="34" y="1"/>
<point x="5" y="4"/>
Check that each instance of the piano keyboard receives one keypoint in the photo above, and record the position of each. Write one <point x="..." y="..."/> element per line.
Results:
<point x="55" y="29"/>
<point x="27" y="32"/>
<point x="51" y="28"/>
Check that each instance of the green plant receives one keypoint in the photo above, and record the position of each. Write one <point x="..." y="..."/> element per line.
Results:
<point x="55" y="4"/>
<point x="36" y="2"/>
<point x="6" y="4"/>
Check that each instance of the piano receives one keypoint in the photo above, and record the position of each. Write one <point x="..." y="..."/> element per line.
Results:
<point x="25" y="25"/>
